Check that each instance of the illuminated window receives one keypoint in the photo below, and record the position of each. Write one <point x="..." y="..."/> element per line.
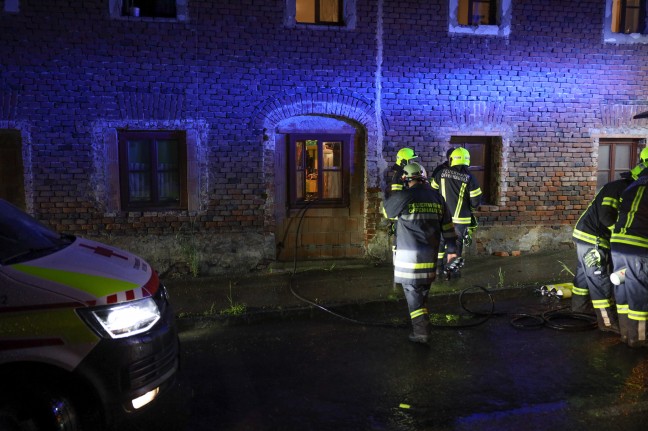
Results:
<point x="477" y="12"/>
<point x="628" y="16"/>
<point x="324" y="12"/>
<point x="152" y="170"/>
<point x="318" y="169"/>
<point x="616" y="156"/>
<point x="320" y="13"/>
<point x="480" y="17"/>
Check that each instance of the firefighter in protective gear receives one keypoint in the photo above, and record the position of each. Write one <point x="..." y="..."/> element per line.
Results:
<point x="423" y="219"/>
<point x="403" y="157"/>
<point x="593" y="291"/>
<point x="462" y="193"/>
<point x="629" y="245"/>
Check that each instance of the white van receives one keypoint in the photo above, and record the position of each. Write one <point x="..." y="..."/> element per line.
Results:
<point x="87" y="334"/>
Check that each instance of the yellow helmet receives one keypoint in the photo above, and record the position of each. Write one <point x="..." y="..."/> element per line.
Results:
<point x="460" y="156"/>
<point x="405" y="155"/>
<point x="643" y="156"/>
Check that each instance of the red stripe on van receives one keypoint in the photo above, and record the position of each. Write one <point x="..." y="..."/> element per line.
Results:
<point x="29" y="344"/>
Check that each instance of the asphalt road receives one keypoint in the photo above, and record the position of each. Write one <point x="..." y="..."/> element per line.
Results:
<point x="328" y="373"/>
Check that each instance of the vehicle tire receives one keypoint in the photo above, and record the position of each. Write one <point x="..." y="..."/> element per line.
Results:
<point x="56" y="411"/>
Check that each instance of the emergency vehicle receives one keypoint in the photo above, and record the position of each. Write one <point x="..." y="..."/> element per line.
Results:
<point x="87" y="334"/>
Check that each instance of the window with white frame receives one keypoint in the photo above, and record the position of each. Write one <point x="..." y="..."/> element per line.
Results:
<point x="480" y="17"/>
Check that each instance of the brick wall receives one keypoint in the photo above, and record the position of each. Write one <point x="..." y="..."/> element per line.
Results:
<point x="70" y="75"/>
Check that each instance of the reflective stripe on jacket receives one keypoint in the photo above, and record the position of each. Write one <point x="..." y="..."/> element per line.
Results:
<point x="460" y="190"/>
<point x="423" y="217"/>
<point x="630" y="233"/>
<point x="596" y="223"/>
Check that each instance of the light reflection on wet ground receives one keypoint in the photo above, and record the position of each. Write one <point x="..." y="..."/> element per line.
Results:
<point x="327" y="374"/>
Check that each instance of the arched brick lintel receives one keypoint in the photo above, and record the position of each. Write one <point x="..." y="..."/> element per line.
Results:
<point x="342" y="104"/>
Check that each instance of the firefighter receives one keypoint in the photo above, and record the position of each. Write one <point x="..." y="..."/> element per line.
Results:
<point x="629" y="245"/>
<point x="403" y="157"/>
<point x="423" y="219"/>
<point x="461" y="191"/>
<point x="593" y="291"/>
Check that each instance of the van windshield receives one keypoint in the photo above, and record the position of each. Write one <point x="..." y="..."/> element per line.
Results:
<point x="24" y="238"/>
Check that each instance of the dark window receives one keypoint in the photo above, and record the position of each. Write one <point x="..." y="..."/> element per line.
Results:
<point x="615" y="156"/>
<point x="483" y="166"/>
<point x="12" y="183"/>
<point x="150" y="8"/>
<point x="153" y="170"/>
<point x="628" y="16"/>
<point x="318" y="170"/>
<point x="325" y="12"/>
<point x="477" y="12"/>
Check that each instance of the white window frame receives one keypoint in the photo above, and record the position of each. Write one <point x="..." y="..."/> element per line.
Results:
<point x="502" y="30"/>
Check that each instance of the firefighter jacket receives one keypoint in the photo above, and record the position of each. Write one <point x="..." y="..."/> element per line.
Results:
<point x="460" y="190"/>
<point x="423" y="217"/>
<point x="396" y="181"/>
<point x="630" y="235"/>
<point x="595" y="224"/>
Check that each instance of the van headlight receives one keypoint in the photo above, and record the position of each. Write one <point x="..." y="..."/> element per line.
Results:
<point x="125" y="319"/>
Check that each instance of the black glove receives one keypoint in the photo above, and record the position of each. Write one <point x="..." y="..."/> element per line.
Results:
<point x="397" y="168"/>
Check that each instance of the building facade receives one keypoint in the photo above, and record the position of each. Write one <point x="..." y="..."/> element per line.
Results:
<point x="218" y="136"/>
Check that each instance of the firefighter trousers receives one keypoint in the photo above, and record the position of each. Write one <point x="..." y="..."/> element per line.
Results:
<point x="417" y="298"/>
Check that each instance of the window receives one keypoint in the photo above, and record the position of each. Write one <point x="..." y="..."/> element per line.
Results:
<point x="480" y="17"/>
<point x="324" y="12"/>
<point x="477" y="12"/>
<point x="152" y="170"/>
<point x="175" y="10"/>
<point x="628" y="16"/>
<point x="483" y="150"/>
<point x="12" y="183"/>
<point x="320" y="14"/>
<point x="318" y="169"/>
<point x="615" y="156"/>
<point x="150" y="8"/>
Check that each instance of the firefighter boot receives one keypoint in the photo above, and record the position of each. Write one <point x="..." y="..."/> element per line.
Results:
<point x="637" y="333"/>
<point x="420" y="330"/>
<point x="607" y="319"/>
<point x="623" y="327"/>
<point x="582" y="304"/>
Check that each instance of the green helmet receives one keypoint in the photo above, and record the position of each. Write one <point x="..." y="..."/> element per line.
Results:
<point x="405" y="155"/>
<point x="643" y="164"/>
<point x="414" y="171"/>
<point x="460" y="156"/>
<point x="643" y="156"/>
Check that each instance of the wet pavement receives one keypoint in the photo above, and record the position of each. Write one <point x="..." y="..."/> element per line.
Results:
<point x="326" y="348"/>
<point x="480" y="372"/>
<point x="289" y="288"/>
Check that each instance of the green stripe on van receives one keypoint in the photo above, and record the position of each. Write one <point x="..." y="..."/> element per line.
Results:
<point x="92" y="284"/>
